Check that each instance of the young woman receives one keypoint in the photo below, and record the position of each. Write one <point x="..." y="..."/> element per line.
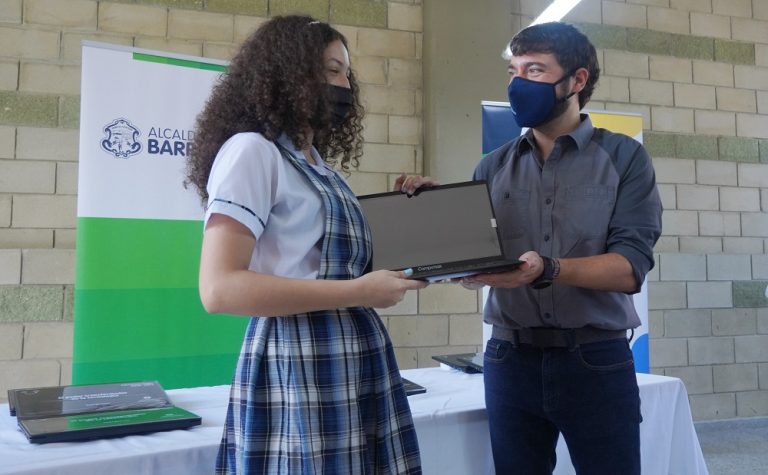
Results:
<point x="317" y="388"/>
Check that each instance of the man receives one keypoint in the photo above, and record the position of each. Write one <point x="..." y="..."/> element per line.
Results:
<point x="580" y="206"/>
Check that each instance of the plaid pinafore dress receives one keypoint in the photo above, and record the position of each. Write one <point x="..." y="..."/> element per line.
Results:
<point x="320" y="393"/>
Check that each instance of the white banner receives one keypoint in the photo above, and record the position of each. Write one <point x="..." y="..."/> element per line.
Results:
<point x="138" y="314"/>
<point x="132" y="143"/>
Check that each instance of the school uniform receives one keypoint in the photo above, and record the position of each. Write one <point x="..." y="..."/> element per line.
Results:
<point x="319" y="392"/>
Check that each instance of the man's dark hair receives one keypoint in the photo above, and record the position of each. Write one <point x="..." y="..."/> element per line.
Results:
<point x="571" y="48"/>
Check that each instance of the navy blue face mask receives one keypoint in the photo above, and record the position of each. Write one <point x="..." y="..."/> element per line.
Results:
<point x="341" y="102"/>
<point x="534" y="102"/>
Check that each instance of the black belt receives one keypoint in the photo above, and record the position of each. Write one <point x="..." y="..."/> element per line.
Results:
<point x="556" y="337"/>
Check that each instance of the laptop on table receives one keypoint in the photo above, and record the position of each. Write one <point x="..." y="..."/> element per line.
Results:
<point x="96" y="411"/>
<point x="442" y="232"/>
<point x="475" y="361"/>
<point x="100" y="425"/>
<point x="412" y="388"/>
<point x="462" y="361"/>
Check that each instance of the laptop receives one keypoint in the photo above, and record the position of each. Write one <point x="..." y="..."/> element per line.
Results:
<point x="95" y="411"/>
<point x="101" y="425"/>
<point x="412" y="388"/>
<point x="460" y="361"/>
<point x="475" y="361"/>
<point x="12" y="402"/>
<point x="442" y="232"/>
<point x="55" y="401"/>
<point x="466" y="362"/>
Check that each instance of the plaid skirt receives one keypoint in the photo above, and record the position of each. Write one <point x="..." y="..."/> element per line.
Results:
<point x="318" y="393"/>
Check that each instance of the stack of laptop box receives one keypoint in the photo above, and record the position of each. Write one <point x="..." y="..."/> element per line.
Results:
<point x="84" y="412"/>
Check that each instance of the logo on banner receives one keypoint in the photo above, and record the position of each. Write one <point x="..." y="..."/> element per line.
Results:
<point x="122" y="139"/>
<point x="169" y="141"/>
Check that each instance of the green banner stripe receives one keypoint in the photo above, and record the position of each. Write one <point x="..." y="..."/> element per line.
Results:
<point x="185" y="63"/>
<point x="137" y="253"/>
<point x="116" y="325"/>
<point x="172" y="373"/>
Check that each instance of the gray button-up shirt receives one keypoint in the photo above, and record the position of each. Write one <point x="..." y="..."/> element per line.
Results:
<point x="596" y="193"/>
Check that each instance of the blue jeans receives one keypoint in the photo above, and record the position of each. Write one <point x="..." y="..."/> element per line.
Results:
<point x="589" y="394"/>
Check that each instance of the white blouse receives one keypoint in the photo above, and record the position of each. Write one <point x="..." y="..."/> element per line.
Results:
<point x="253" y="184"/>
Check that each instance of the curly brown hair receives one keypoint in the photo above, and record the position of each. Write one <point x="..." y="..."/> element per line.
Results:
<point x="276" y="84"/>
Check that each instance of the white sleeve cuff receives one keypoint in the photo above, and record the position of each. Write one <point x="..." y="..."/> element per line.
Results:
<point x="237" y="212"/>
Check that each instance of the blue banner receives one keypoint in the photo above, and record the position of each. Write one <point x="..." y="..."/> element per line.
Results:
<point x="498" y="125"/>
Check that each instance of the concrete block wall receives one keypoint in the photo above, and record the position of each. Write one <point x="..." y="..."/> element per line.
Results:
<point x="39" y="114"/>
<point x="696" y="70"/>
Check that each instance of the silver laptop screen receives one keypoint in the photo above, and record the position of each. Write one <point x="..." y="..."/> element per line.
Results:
<point x="444" y="224"/>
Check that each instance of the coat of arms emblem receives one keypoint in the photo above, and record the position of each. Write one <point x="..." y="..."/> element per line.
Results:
<point x="121" y="139"/>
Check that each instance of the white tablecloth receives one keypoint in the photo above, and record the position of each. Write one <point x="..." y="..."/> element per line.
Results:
<point x="450" y="422"/>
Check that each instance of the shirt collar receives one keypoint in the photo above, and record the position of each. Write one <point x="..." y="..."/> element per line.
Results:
<point x="581" y="135"/>
<point x="286" y="142"/>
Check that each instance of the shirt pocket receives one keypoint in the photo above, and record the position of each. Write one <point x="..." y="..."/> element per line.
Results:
<point x="511" y="209"/>
<point x="588" y="211"/>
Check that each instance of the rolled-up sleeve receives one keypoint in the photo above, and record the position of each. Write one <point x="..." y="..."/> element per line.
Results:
<point x="636" y="222"/>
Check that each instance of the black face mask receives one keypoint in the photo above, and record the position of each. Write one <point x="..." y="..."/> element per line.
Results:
<point x="341" y="102"/>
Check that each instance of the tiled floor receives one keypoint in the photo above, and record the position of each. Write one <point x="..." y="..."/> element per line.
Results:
<point x="735" y="446"/>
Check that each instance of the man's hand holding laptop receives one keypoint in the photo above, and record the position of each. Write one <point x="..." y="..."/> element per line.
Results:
<point x="527" y="272"/>
<point x="411" y="184"/>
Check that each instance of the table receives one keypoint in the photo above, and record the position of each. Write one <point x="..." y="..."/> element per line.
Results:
<point x="450" y="422"/>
